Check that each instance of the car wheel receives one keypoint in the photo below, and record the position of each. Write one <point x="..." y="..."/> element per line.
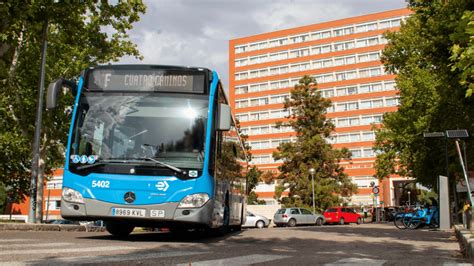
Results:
<point x="319" y="222"/>
<point x="260" y="224"/>
<point x="292" y="223"/>
<point x="359" y="220"/>
<point x="341" y="221"/>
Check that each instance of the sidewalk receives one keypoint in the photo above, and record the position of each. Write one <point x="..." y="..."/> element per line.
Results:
<point x="49" y="227"/>
<point x="466" y="239"/>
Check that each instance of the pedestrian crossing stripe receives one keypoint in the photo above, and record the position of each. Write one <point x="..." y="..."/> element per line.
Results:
<point x="357" y="261"/>
<point x="63" y="250"/>
<point x="240" y="260"/>
<point x="36" y="245"/>
<point x="104" y="259"/>
<point x="14" y="240"/>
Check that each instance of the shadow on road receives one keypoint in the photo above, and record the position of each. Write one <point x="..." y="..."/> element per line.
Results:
<point x="301" y="245"/>
<point x="188" y="237"/>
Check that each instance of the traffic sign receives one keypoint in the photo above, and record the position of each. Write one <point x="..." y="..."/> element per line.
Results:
<point x="375" y="190"/>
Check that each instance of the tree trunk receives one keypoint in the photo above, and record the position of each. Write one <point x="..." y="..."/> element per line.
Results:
<point x="12" y="84"/>
<point x="40" y="191"/>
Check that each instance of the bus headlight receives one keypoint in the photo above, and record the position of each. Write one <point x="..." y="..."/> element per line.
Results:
<point x="194" y="201"/>
<point x="72" y="195"/>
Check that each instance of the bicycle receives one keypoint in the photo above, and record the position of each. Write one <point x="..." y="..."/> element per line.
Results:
<point x="424" y="217"/>
<point x="402" y="219"/>
<point x="416" y="218"/>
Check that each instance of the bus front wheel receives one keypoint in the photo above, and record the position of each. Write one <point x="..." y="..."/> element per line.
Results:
<point x="119" y="229"/>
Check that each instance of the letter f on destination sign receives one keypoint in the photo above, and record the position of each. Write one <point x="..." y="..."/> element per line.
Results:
<point x="107" y="79"/>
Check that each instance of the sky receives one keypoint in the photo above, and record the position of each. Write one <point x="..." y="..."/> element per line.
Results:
<point x="197" y="32"/>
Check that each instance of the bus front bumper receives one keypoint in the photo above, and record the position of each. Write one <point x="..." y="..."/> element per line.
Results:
<point x="166" y="212"/>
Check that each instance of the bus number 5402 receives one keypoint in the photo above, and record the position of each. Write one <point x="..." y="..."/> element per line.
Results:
<point x="100" y="183"/>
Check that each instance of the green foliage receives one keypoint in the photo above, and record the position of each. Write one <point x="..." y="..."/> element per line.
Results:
<point x="463" y="51"/>
<point x="424" y="197"/>
<point x="228" y="165"/>
<point x="431" y="98"/>
<point x="268" y="177"/>
<point x="253" y="175"/>
<point x="81" y="33"/>
<point x="308" y="119"/>
<point x="3" y="197"/>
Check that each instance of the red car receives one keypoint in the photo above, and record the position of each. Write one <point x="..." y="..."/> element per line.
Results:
<point x="342" y="215"/>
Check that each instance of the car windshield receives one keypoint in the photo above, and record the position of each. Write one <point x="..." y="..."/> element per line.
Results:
<point x="331" y="210"/>
<point x="131" y="127"/>
<point x="281" y="211"/>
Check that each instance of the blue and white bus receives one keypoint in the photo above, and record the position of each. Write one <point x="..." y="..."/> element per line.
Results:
<point x="152" y="146"/>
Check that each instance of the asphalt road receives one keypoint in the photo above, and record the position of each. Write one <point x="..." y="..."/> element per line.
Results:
<point x="367" y="244"/>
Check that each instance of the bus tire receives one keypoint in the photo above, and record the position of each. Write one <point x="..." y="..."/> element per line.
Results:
<point x="119" y="229"/>
<point x="237" y="228"/>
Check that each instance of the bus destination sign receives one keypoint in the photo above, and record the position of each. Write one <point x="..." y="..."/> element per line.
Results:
<point x="145" y="80"/>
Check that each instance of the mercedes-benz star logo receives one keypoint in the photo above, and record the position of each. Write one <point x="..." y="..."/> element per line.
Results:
<point x="129" y="197"/>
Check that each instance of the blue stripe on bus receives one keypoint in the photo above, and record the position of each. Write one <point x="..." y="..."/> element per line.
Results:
<point x="146" y="188"/>
<point x="76" y="104"/>
<point x="210" y="119"/>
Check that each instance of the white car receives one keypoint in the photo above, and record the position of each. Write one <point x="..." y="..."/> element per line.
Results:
<point x="257" y="221"/>
<point x="296" y="216"/>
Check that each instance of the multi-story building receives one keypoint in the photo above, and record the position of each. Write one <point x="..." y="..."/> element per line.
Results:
<point x="51" y="200"/>
<point x="344" y="57"/>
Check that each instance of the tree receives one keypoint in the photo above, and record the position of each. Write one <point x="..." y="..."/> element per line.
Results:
<point x="81" y="34"/>
<point x="426" y="56"/>
<point x="308" y="119"/>
<point x="267" y="177"/>
<point x="463" y="51"/>
<point x="3" y="197"/>
<point x="253" y="175"/>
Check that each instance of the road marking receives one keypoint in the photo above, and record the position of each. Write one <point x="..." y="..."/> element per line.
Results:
<point x="242" y="260"/>
<point x="357" y="261"/>
<point x="105" y="258"/>
<point x="14" y="240"/>
<point x="63" y="250"/>
<point x="35" y="245"/>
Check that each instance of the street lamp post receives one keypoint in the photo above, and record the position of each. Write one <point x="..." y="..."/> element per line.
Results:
<point x="36" y="195"/>
<point x="457" y="135"/>
<point x="312" y="171"/>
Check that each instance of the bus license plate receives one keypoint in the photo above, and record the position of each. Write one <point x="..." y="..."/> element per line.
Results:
<point x="128" y="212"/>
<point x="157" y="213"/>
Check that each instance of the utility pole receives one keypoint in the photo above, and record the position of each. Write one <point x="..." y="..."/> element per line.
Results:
<point x="36" y="185"/>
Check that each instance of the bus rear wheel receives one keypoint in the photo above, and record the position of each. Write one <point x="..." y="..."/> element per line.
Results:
<point x="119" y="229"/>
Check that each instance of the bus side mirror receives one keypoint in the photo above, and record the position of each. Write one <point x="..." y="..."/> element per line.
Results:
<point x="223" y="117"/>
<point x="53" y="89"/>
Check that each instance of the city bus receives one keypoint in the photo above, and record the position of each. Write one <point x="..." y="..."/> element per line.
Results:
<point x="152" y="146"/>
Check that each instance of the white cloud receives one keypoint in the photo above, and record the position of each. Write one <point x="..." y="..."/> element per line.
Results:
<point x="288" y="14"/>
<point x="197" y="33"/>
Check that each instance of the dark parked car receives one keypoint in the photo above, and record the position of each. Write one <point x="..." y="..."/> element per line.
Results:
<point x="386" y="213"/>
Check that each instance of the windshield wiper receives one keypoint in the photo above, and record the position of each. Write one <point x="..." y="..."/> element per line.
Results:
<point x="126" y="161"/>
<point x="100" y="163"/>
<point x="174" y="168"/>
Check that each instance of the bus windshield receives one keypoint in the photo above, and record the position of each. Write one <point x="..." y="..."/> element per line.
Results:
<point x="131" y="127"/>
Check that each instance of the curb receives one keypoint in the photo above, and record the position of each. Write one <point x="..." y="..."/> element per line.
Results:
<point x="49" y="227"/>
<point x="466" y="239"/>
